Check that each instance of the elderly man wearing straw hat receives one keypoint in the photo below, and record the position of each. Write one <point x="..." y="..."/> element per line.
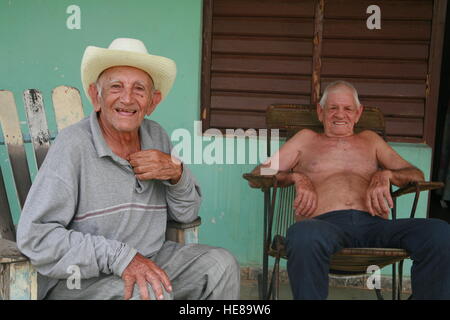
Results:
<point x="99" y="204"/>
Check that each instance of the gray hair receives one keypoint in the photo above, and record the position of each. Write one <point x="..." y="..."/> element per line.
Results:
<point x="335" y="84"/>
<point x="99" y="88"/>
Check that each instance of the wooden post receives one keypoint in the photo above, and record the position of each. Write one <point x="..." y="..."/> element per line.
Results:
<point x="317" y="52"/>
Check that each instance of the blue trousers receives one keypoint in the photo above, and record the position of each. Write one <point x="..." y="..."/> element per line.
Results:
<point x="311" y="243"/>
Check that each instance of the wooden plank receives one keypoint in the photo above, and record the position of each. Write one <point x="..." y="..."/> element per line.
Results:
<point x="404" y="127"/>
<point x="394" y="30"/>
<point x="317" y="52"/>
<point x="7" y="230"/>
<point x="9" y="252"/>
<point x="9" y="204"/>
<point x="261" y="64"/>
<point x="9" y="121"/>
<point x="67" y="105"/>
<point x="370" y="68"/>
<point x="253" y="101"/>
<point x="37" y="123"/>
<point x="205" y="95"/>
<point x="261" y="83"/>
<point x="292" y="27"/>
<point x="385" y="88"/>
<point x="399" y="9"/>
<point x="23" y="281"/>
<point x="268" y="8"/>
<point x="18" y="281"/>
<point x="9" y="118"/>
<point x="387" y="49"/>
<point x="412" y="128"/>
<point x="190" y="235"/>
<point x="414" y="108"/>
<point x="262" y="45"/>
<point x="244" y="120"/>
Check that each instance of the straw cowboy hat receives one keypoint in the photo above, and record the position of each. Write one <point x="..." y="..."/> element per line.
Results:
<point x="127" y="52"/>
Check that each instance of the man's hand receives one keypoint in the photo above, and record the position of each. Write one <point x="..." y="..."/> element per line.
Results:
<point x="378" y="196"/>
<point x="305" y="203"/>
<point x="154" y="164"/>
<point x="142" y="271"/>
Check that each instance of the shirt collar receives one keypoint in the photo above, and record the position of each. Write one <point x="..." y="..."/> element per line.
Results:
<point x="146" y="139"/>
<point x="103" y="148"/>
<point x="100" y="144"/>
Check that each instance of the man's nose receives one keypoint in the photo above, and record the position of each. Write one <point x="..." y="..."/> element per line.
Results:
<point x="339" y="113"/>
<point x="126" y="96"/>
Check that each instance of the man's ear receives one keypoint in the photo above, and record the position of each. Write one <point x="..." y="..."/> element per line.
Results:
<point x="93" y="94"/>
<point x="156" y="99"/>
<point x="359" y="112"/>
<point x="319" y="110"/>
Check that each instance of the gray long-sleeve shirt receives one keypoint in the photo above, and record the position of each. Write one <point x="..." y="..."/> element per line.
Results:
<point x="86" y="207"/>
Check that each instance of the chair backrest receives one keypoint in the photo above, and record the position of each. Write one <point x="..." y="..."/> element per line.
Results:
<point x="290" y="119"/>
<point x="15" y="170"/>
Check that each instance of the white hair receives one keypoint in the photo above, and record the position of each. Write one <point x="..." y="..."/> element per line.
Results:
<point x="336" y="84"/>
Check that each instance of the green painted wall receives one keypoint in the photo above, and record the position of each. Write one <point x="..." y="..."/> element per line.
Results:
<point x="38" y="51"/>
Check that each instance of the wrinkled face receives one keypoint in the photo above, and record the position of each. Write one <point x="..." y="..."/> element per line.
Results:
<point x="126" y="97"/>
<point x="340" y="113"/>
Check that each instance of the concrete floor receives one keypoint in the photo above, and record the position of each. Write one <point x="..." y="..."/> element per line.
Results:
<point x="249" y="291"/>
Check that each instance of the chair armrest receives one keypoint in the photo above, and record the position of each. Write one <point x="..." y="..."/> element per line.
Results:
<point x="261" y="182"/>
<point x="183" y="233"/>
<point x="9" y="252"/>
<point x="420" y="186"/>
<point x="171" y="224"/>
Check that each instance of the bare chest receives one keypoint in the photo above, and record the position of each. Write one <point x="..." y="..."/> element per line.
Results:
<point x="325" y="156"/>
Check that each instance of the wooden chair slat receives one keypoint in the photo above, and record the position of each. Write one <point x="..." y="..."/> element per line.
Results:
<point x="290" y="118"/>
<point x="37" y="123"/>
<point x="7" y="230"/>
<point x="67" y="105"/>
<point x="9" y="121"/>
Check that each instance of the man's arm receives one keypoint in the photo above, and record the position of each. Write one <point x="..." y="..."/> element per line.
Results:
<point x="42" y="234"/>
<point x="394" y="169"/>
<point x="281" y="164"/>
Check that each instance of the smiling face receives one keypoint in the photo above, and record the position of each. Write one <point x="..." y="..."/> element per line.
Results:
<point x="126" y="96"/>
<point x="340" y="113"/>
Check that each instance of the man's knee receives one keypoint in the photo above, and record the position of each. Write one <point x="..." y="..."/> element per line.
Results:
<point x="438" y="233"/>
<point x="223" y="261"/>
<point x="151" y="294"/>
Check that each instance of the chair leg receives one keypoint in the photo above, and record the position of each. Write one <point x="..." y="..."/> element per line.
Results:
<point x="400" y="280"/>
<point x="274" y="287"/>
<point x="379" y="295"/>
<point x="394" y="281"/>
<point x="276" y="291"/>
<point x="261" y="293"/>
<point x="270" y="289"/>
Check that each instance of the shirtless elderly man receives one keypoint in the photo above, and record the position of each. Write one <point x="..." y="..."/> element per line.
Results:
<point x="342" y="182"/>
<point x="101" y="199"/>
